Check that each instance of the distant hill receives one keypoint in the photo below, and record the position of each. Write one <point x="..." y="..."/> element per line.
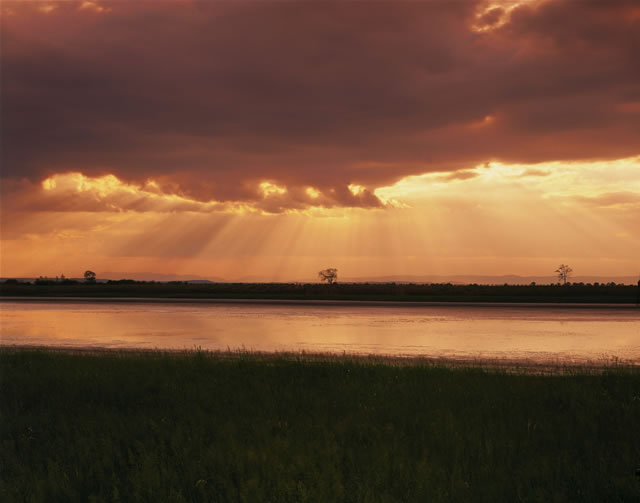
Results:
<point x="143" y="276"/>
<point x="510" y="279"/>
<point x="154" y="276"/>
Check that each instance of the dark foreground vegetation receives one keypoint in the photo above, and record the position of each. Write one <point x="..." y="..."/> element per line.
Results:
<point x="576" y="292"/>
<point x="202" y="427"/>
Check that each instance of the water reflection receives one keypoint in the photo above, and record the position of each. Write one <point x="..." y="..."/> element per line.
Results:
<point x="456" y="332"/>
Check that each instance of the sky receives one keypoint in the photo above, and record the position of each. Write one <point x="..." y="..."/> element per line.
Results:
<point x="257" y="139"/>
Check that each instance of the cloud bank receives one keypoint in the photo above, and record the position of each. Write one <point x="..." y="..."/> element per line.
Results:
<point x="222" y="101"/>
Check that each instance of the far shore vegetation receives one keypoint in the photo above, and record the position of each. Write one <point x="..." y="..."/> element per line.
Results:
<point x="446" y="292"/>
<point x="197" y="426"/>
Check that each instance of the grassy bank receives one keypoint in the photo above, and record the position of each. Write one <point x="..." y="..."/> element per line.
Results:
<point x="199" y="427"/>
<point x="581" y="293"/>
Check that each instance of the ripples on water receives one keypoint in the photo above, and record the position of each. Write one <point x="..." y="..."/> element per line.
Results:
<point x="564" y="334"/>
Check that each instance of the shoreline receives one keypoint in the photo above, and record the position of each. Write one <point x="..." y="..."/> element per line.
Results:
<point x="507" y="365"/>
<point x="317" y="302"/>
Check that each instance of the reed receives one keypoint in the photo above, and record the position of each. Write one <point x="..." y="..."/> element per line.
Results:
<point x="198" y="426"/>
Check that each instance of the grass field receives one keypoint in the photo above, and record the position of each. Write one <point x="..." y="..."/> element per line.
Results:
<point x="204" y="427"/>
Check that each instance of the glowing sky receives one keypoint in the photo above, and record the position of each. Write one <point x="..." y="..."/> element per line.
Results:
<point x="259" y="139"/>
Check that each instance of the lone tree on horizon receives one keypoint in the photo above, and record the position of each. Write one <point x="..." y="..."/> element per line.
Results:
<point x="329" y="275"/>
<point x="89" y="277"/>
<point x="563" y="273"/>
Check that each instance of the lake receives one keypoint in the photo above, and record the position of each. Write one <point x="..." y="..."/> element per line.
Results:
<point x="463" y="332"/>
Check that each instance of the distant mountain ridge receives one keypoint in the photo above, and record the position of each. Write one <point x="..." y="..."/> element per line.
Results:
<point x="511" y="279"/>
<point x="153" y="276"/>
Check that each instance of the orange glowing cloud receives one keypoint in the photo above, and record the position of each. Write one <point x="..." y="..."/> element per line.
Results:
<point x="77" y="192"/>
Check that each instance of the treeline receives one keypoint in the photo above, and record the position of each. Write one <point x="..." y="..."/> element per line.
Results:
<point x="571" y="292"/>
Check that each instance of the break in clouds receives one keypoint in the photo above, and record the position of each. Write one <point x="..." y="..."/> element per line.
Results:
<point x="213" y="99"/>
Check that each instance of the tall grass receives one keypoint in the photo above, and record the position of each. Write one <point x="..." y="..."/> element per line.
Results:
<point x="197" y="427"/>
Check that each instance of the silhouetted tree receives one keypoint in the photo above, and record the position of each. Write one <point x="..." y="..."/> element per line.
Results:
<point x="329" y="275"/>
<point x="89" y="277"/>
<point x="563" y="273"/>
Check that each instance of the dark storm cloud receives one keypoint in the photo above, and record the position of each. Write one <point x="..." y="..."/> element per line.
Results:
<point x="211" y="99"/>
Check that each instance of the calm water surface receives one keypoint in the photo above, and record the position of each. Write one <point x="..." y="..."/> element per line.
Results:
<point x="453" y="332"/>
